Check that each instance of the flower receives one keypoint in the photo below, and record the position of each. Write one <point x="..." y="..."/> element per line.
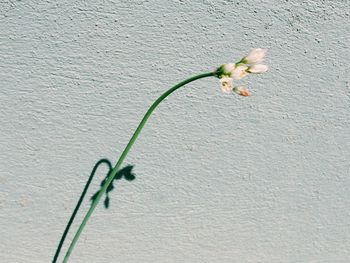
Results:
<point x="226" y="84"/>
<point x="255" y="56"/>
<point x="236" y="71"/>
<point x="258" y="69"/>
<point x="241" y="91"/>
<point x="240" y="71"/>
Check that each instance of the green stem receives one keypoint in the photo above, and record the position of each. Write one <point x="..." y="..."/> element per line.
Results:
<point x="124" y="154"/>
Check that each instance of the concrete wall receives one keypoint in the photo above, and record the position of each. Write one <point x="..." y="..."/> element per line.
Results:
<point x="219" y="178"/>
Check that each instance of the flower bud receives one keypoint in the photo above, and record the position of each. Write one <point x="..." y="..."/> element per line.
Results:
<point x="255" y="56"/>
<point x="241" y="91"/>
<point x="228" y="68"/>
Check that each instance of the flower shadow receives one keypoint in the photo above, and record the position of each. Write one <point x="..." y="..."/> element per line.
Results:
<point x="125" y="173"/>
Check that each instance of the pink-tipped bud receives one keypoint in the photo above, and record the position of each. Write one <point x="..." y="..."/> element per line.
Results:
<point x="241" y="91"/>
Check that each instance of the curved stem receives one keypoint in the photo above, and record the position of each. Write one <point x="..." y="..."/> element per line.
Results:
<point x="79" y="204"/>
<point x="124" y="154"/>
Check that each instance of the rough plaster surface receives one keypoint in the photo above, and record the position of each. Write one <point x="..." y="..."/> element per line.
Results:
<point x="220" y="178"/>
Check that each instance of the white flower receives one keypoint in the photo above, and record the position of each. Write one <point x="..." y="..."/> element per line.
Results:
<point x="255" y="56"/>
<point x="258" y="68"/>
<point x="239" y="72"/>
<point x="227" y="73"/>
<point x="241" y="91"/>
<point x="229" y="67"/>
<point x="226" y="84"/>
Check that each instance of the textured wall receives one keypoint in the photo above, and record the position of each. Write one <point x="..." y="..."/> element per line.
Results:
<point x="220" y="178"/>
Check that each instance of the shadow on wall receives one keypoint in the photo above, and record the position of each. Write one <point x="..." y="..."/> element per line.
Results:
<point x="125" y="173"/>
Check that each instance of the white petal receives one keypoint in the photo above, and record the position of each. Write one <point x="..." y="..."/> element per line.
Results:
<point x="258" y="68"/>
<point x="240" y="72"/>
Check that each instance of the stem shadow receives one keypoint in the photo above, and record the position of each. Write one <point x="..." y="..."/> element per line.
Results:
<point x="125" y="173"/>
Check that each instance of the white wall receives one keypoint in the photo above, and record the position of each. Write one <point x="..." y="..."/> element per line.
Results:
<point x="219" y="178"/>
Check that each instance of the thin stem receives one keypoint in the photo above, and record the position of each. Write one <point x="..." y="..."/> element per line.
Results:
<point x="124" y="154"/>
<point x="64" y="235"/>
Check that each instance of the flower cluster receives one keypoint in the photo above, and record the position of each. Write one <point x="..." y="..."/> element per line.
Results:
<point x="236" y="71"/>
